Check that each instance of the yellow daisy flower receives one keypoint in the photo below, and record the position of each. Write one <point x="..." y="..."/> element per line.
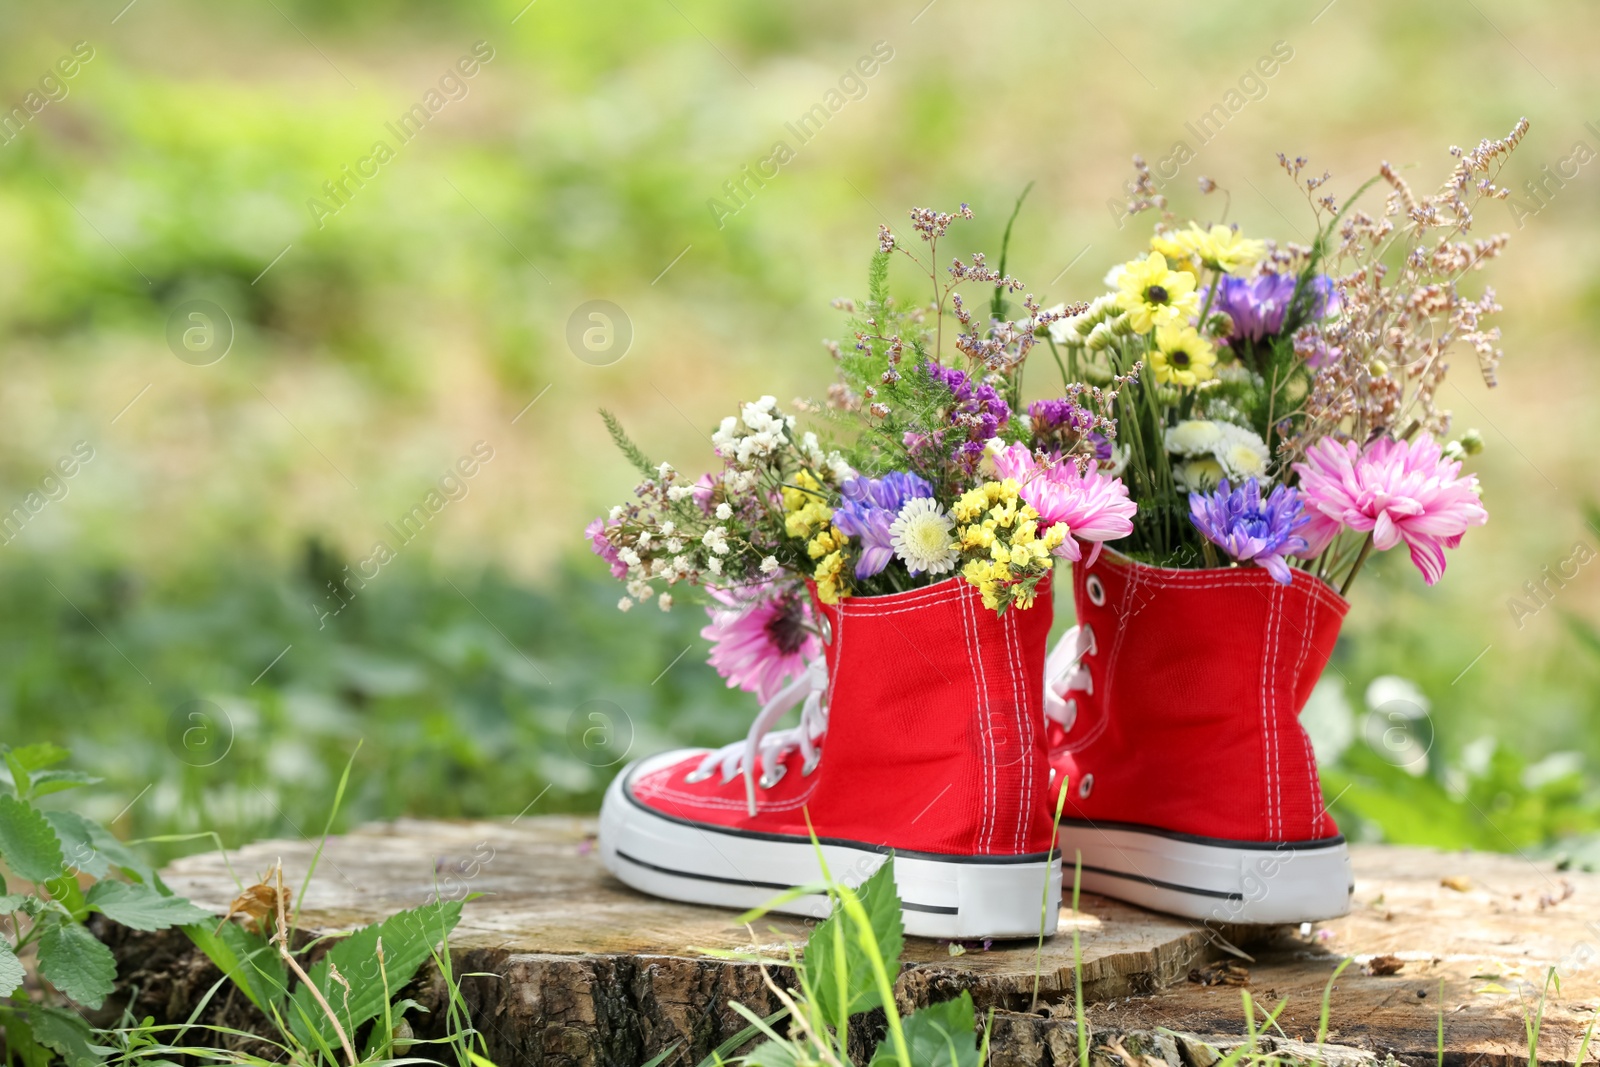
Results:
<point x="1154" y="295"/>
<point x="1182" y="356"/>
<point x="1222" y="248"/>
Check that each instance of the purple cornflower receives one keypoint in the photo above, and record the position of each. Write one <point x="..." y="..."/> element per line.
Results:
<point x="870" y="506"/>
<point x="1247" y="528"/>
<point x="1257" y="305"/>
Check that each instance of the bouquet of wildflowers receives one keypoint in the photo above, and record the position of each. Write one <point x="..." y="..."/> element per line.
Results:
<point x="1231" y="401"/>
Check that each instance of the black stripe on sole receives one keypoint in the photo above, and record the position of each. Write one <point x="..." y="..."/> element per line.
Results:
<point x="1158" y="884"/>
<point x="905" y="905"/>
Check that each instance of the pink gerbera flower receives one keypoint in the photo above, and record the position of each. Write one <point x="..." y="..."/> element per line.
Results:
<point x="761" y="637"/>
<point x="1094" y="506"/>
<point x="1397" y="490"/>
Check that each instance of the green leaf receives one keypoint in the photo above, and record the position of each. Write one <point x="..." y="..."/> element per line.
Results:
<point x="75" y="962"/>
<point x="22" y="762"/>
<point x="141" y="907"/>
<point x="68" y="1034"/>
<point x="46" y="782"/>
<point x="249" y="962"/>
<point x="10" y="969"/>
<point x="408" y="939"/>
<point x="93" y="849"/>
<point x="940" y="1035"/>
<point x="64" y="890"/>
<point x="28" y="844"/>
<point x="775" y="1054"/>
<point x="822" y="962"/>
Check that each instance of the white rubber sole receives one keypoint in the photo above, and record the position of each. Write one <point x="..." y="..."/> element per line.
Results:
<point x="949" y="897"/>
<point x="1211" y="879"/>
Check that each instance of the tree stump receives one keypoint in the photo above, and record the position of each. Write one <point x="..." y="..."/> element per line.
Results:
<point x="576" y="969"/>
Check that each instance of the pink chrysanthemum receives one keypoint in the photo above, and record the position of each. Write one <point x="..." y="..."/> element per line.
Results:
<point x="760" y="637"/>
<point x="1397" y="490"/>
<point x="1094" y="506"/>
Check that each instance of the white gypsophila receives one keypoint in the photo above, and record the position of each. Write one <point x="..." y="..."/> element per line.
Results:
<point x="739" y="481"/>
<point x="615" y="512"/>
<point x="920" y="535"/>
<point x="1194" y="437"/>
<point x="812" y="449"/>
<point x="624" y="604"/>
<point x="769" y="564"/>
<point x="667" y="528"/>
<point x="725" y="436"/>
<point x="639" y="588"/>
<point x="716" y="539"/>
<point x="840" y="470"/>
<point x="724" y="511"/>
<point x="628" y="556"/>
<point x="644" y="537"/>
<point x="761" y="416"/>
<point x="658" y="567"/>
<point x="664" y="469"/>
<point x="677" y="493"/>
<point x="714" y="565"/>
<point x="681" y="566"/>
<point x="674" y="545"/>
<point x="665" y="602"/>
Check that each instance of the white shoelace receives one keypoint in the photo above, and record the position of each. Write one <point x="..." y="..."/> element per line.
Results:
<point x="773" y="745"/>
<point x="1065" y="673"/>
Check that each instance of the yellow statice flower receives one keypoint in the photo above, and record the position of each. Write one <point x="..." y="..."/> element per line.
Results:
<point x="828" y="540"/>
<point x="1006" y="555"/>
<point x="1222" y="248"/>
<point x="1182" y="356"/>
<point x="1154" y="295"/>
<point x="806" y="490"/>
<point x="830" y="578"/>
<point x="803" y="521"/>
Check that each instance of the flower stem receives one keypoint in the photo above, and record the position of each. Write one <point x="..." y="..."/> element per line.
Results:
<point x="1366" y="549"/>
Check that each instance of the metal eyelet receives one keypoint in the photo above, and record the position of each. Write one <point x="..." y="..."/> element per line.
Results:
<point x="1096" y="591"/>
<point x="811" y="764"/>
<point x="1086" y="786"/>
<point x="826" y="627"/>
<point x="773" y="777"/>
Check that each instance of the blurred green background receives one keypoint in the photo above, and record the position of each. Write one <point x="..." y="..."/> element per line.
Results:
<point x="167" y="610"/>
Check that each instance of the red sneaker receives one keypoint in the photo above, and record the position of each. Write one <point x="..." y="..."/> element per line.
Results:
<point x="922" y="735"/>
<point x="1174" y="713"/>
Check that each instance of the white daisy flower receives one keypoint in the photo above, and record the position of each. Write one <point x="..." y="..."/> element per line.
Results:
<point x="920" y="535"/>
<point x="1242" y="453"/>
<point x="1194" y="436"/>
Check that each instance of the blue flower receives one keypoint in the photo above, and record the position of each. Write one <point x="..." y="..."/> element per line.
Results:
<point x="1247" y="528"/>
<point x="870" y="506"/>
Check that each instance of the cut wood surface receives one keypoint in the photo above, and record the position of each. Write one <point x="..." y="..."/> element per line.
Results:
<point x="587" y="971"/>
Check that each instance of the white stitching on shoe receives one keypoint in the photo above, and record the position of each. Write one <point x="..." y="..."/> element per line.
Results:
<point x="1023" y="722"/>
<point x="1313" y="783"/>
